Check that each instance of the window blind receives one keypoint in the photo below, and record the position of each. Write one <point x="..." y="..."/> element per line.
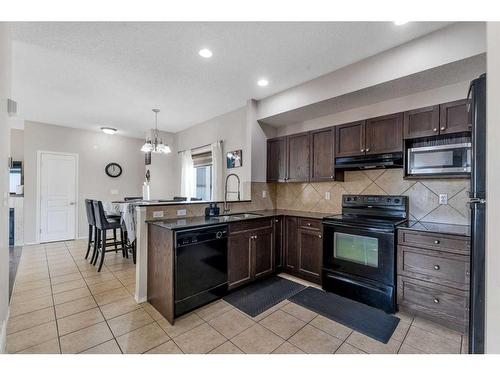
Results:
<point x="203" y="159"/>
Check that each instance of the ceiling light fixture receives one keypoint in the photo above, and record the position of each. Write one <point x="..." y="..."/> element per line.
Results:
<point x="400" y="23"/>
<point x="262" y="82"/>
<point x="206" y="53"/>
<point x="155" y="144"/>
<point x="108" y="130"/>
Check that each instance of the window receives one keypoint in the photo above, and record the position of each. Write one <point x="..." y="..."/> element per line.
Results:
<point x="203" y="175"/>
<point x="15" y="176"/>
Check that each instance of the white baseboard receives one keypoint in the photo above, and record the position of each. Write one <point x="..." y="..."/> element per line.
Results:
<point x="3" y="333"/>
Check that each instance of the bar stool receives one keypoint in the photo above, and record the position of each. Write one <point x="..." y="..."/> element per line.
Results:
<point x="89" y="208"/>
<point x="103" y="224"/>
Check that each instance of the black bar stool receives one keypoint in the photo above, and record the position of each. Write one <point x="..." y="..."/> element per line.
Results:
<point x="89" y="208"/>
<point x="103" y="224"/>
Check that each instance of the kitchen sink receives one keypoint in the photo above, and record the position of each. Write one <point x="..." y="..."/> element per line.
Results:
<point x="247" y="215"/>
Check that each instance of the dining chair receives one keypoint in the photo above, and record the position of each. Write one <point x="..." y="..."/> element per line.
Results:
<point x="89" y="208"/>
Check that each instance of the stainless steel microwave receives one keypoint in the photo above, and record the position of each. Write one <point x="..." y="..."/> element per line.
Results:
<point x="440" y="159"/>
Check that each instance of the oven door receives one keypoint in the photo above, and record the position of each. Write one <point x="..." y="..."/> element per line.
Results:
<point x="443" y="159"/>
<point x="356" y="250"/>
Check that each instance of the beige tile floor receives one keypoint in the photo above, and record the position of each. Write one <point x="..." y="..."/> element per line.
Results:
<point x="60" y="304"/>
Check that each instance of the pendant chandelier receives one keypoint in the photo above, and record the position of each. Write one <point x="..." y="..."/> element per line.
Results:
<point x="155" y="144"/>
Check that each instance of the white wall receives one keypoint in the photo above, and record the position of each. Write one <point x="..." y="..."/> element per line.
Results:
<point x="417" y="100"/>
<point x="95" y="151"/>
<point x="453" y="43"/>
<point x="17" y="144"/>
<point x="231" y="128"/>
<point x="492" y="188"/>
<point x="4" y="179"/>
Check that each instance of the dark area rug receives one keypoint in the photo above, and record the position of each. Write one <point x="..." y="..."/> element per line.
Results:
<point x="365" y="319"/>
<point x="262" y="295"/>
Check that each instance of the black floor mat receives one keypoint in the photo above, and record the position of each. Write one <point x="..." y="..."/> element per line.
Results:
<point x="360" y="317"/>
<point x="260" y="296"/>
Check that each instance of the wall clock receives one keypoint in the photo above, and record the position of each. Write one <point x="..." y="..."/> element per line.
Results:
<point x="113" y="170"/>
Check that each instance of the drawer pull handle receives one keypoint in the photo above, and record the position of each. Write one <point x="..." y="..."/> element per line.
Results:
<point x="467" y="273"/>
<point x="308" y="224"/>
<point x="320" y="236"/>
<point x="436" y="267"/>
<point x="437" y="242"/>
<point x="436" y="300"/>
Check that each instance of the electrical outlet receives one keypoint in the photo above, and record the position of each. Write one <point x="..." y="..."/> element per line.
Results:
<point x="181" y="212"/>
<point x="443" y="198"/>
<point x="114" y="192"/>
<point x="264" y="194"/>
<point x="328" y="196"/>
<point x="157" y="214"/>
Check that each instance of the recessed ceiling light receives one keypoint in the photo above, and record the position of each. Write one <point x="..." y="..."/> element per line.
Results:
<point x="399" y="23"/>
<point x="206" y="53"/>
<point x="263" y="82"/>
<point x="108" y="130"/>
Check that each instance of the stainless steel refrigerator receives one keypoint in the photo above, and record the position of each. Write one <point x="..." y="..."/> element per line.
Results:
<point x="477" y="204"/>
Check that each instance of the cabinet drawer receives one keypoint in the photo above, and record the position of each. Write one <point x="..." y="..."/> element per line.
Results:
<point x="312" y="224"/>
<point x="248" y="225"/>
<point x="444" y="305"/>
<point x="434" y="266"/>
<point x="453" y="244"/>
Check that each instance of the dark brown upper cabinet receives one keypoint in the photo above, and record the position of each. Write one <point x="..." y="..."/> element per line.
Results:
<point x="297" y="158"/>
<point x="454" y="117"/>
<point x="276" y="159"/>
<point x="384" y="134"/>
<point x="322" y="147"/>
<point x="350" y="139"/>
<point x="421" y="122"/>
<point x="446" y="118"/>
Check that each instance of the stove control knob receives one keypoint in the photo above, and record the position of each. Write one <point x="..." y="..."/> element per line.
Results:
<point x="397" y="200"/>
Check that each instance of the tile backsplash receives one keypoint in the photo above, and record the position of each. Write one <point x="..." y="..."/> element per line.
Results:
<point x="423" y="194"/>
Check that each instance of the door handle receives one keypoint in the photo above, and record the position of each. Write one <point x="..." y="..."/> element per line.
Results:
<point x="72" y="203"/>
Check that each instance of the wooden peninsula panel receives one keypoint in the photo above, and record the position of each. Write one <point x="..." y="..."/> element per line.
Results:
<point x="161" y="271"/>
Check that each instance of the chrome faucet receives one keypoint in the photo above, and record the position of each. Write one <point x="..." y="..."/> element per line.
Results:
<point x="226" y="205"/>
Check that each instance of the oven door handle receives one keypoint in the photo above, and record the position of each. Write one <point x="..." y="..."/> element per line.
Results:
<point x="370" y="229"/>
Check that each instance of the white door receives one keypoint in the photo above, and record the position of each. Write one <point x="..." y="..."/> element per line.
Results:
<point x="57" y="196"/>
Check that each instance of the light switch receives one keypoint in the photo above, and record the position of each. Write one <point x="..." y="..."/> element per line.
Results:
<point x="328" y="196"/>
<point x="443" y="198"/>
<point x="114" y="192"/>
<point x="157" y="214"/>
<point x="264" y="193"/>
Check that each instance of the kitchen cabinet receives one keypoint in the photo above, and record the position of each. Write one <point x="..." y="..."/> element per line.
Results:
<point x="350" y="139"/>
<point x="454" y="117"/>
<point x="250" y="251"/>
<point x="384" y="134"/>
<point x="297" y="158"/>
<point x="445" y="118"/>
<point x="421" y="122"/>
<point x="310" y="251"/>
<point x="433" y="277"/>
<point x="322" y="146"/>
<point x="290" y="251"/>
<point x="276" y="159"/>
<point x="278" y="232"/>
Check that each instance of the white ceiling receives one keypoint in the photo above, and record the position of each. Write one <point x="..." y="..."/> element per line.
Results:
<point x="88" y="74"/>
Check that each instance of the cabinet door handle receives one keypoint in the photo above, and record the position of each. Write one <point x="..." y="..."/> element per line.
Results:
<point x="331" y="177"/>
<point x="436" y="300"/>
<point x="368" y="149"/>
<point x="362" y="150"/>
<point x="308" y="224"/>
<point x="320" y="236"/>
<point x="435" y="129"/>
<point x="437" y="242"/>
<point x="276" y="220"/>
<point x="443" y="127"/>
<point x="436" y="267"/>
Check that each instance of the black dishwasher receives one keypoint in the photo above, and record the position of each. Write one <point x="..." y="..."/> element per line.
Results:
<point x="200" y="267"/>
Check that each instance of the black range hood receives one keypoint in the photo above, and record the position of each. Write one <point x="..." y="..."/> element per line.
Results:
<point x="392" y="160"/>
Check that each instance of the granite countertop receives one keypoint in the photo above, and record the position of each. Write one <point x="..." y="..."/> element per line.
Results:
<point x="422" y="226"/>
<point x="199" y="221"/>
<point x="171" y="202"/>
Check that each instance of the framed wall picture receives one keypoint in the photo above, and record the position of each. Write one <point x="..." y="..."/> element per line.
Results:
<point x="234" y="159"/>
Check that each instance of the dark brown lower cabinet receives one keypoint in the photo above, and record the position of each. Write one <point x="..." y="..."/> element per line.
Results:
<point x="310" y="255"/>
<point x="290" y="242"/>
<point x="250" y="251"/>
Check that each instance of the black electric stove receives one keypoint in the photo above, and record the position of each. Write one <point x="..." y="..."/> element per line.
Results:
<point x="359" y="249"/>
